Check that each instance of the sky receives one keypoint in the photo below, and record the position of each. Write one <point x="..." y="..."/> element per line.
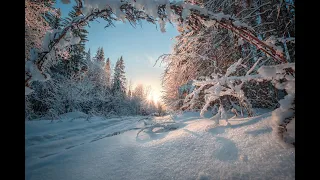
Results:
<point x="139" y="47"/>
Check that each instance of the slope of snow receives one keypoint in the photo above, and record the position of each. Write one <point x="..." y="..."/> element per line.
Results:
<point x="110" y="149"/>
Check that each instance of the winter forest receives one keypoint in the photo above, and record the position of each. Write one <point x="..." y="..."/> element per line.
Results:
<point x="225" y="109"/>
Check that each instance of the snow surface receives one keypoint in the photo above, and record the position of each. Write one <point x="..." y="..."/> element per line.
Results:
<point x="76" y="149"/>
<point x="27" y="90"/>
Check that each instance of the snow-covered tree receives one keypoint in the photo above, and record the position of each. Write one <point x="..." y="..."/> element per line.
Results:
<point x="97" y="70"/>
<point x="36" y="25"/>
<point x="160" y="108"/>
<point x="77" y="52"/>
<point x="88" y="56"/>
<point x="107" y="68"/>
<point x="119" y="79"/>
<point x="226" y="48"/>
<point x="140" y="101"/>
<point x="211" y="56"/>
<point x="99" y="57"/>
<point x="138" y="98"/>
<point x="200" y="52"/>
<point x="130" y="90"/>
<point x="191" y="16"/>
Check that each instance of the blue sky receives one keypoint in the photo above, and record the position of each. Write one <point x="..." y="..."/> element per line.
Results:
<point x="139" y="46"/>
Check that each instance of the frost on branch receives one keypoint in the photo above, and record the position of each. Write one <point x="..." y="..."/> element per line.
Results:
<point x="212" y="90"/>
<point x="218" y="89"/>
<point x="54" y="47"/>
<point x="54" y="35"/>
<point x="161" y="126"/>
<point x="35" y="25"/>
<point x="35" y="73"/>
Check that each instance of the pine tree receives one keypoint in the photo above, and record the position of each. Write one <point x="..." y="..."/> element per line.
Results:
<point x="130" y="90"/>
<point x="76" y="63"/>
<point x="99" y="57"/>
<point x="129" y="94"/>
<point x="94" y="59"/>
<point x="87" y="62"/>
<point x="54" y="20"/>
<point x="88" y="56"/>
<point x="96" y="69"/>
<point x="59" y="70"/>
<point x="78" y="54"/>
<point x="108" y="72"/>
<point x="119" y="79"/>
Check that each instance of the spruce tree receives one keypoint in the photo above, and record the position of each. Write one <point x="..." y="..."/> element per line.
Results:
<point x="108" y="72"/>
<point x="77" y="60"/>
<point x="88" y="56"/>
<point x="119" y="79"/>
<point x="99" y="57"/>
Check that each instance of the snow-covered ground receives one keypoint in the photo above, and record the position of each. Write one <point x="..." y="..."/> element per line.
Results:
<point x="76" y="149"/>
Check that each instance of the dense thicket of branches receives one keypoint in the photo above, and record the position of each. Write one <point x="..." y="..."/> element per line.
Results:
<point x="206" y="51"/>
<point x="200" y="70"/>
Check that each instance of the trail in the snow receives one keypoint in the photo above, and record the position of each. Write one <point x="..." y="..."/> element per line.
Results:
<point x="65" y="135"/>
<point x="197" y="149"/>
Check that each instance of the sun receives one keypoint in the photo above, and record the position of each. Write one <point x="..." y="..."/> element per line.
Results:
<point x="154" y="97"/>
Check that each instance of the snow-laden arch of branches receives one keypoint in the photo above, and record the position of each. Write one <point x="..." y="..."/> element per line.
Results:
<point x="133" y="11"/>
<point x="189" y="16"/>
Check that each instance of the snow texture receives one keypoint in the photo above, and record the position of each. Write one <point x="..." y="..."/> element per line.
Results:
<point x="240" y="42"/>
<point x="76" y="149"/>
<point x="27" y="90"/>
<point x="34" y="71"/>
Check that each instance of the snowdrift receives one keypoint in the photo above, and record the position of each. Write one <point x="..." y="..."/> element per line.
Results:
<point x="102" y="149"/>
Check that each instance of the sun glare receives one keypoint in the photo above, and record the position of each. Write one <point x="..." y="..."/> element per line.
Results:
<point x="154" y="97"/>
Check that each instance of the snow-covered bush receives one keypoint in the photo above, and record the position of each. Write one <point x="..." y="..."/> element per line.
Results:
<point x="216" y="86"/>
<point x="88" y="92"/>
<point x="260" y="33"/>
<point x="212" y="49"/>
<point x="213" y="88"/>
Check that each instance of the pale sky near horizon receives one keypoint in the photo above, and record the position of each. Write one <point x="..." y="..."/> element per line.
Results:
<point x="139" y="47"/>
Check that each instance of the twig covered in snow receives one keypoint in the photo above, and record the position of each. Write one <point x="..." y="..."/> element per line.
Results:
<point x="151" y="124"/>
<point x="213" y="89"/>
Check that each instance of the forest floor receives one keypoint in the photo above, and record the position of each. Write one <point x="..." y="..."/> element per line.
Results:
<point x="101" y="149"/>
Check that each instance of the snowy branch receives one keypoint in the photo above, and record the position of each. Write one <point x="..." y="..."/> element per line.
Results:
<point x="152" y="11"/>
